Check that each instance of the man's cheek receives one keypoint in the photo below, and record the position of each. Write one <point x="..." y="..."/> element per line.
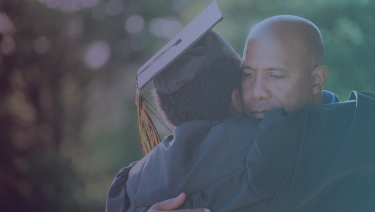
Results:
<point x="283" y="93"/>
<point x="246" y="101"/>
<point x="281" y="99"/>
<point x="293" y="102"/>
<point x="245" y="86"/>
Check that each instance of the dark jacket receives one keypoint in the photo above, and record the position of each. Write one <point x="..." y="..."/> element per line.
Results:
<point x="316" y="159"/>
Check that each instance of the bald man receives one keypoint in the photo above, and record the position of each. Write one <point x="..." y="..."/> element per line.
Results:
<point x="284" y="68"/>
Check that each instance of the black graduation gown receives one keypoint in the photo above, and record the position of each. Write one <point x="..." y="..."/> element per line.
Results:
<point x="316" y="159"/>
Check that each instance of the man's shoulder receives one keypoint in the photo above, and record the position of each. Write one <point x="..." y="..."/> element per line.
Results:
<point x="354" y="95"/>
<point x="359" y="104"/>
<point x="359" y="107"/>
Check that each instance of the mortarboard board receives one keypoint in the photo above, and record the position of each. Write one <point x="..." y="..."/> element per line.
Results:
<point x="180" y="43"/>
<point x="192" y="50"/>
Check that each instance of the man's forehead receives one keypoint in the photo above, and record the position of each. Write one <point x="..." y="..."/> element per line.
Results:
<point x="273" y="52"/>
<point x="266" y="51"/>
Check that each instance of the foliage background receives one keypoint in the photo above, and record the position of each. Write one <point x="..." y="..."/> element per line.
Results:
<point x="67" y="68"/>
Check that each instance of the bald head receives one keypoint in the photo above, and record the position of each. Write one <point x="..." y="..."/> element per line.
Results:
<point x="298" y="36"/>
<point x="283" y="66"/>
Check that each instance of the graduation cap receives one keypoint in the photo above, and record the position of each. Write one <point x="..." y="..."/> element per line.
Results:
<point x="192" y="50"/>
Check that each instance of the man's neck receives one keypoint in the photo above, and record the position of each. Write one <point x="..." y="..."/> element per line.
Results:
<point x="319" y="99"/>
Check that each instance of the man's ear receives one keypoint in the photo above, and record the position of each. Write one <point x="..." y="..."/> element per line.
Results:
<point x="319" y="78"/>
<point x="236" y="105"/>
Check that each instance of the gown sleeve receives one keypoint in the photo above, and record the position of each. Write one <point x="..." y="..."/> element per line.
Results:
<point x="117" y="199"/>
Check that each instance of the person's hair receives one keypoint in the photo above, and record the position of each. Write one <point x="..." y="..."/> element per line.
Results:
<point x="206" y="97"/>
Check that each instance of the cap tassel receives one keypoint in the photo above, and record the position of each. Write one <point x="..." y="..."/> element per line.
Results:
<point x="147" y="131"/>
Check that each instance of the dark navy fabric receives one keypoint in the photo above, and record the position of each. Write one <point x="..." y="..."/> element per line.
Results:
<point x="117" y="199"/>
<point x="316" y="159"/>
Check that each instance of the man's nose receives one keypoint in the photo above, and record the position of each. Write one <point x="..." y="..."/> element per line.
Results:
<point x="260" y="90"/>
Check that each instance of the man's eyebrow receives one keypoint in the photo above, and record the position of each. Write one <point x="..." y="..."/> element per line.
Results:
<point x="267" y="69"/>
<point x="275" y="69"/>
<point x="246" y="67"/>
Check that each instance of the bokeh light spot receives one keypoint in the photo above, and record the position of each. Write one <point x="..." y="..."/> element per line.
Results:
<point x="42" y="45"/>
<point x="6" y="26"/>
<point x="19" y="106"/>
<point x="165" y="27"/>
<point x="156" y="26"/>
<point x="134" y="24"/>
<point x="8" y="45"/>
<point x="97" y="54"/>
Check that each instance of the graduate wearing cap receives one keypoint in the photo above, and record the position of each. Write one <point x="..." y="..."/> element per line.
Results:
<point x="235" y="163"/>
<point x="192" y="51"/>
